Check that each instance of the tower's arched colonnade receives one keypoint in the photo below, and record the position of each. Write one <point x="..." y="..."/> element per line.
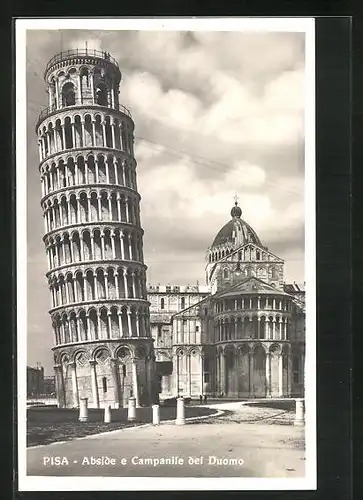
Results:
<point x="93" y="236"/>
<point x="107" y="372"/>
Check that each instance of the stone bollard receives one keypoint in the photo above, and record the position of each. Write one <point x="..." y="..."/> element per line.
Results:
<point x="107" y="415"/>
<point x="180" y="417"/>
<point x="132" y="409"/>
<point x="83" y="410"/>
<point x="156" y="415"/>
<point x="299" y="412"/>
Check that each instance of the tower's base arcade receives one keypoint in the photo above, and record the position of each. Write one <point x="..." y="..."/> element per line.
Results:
<point x="106" y="372"/>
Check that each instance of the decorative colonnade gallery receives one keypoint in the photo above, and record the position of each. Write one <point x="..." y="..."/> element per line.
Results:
<point x="91" y="245"/>
<point x="254" y="302"/>
<point x="101" y="322"/>
<point x="82" y="207"/>
<point x="68" y="171"/>
<point x="248" y="253"/>
<point x="111" y="283"/>
<point x="85" y="130"/>
<point x="270" y="327"/>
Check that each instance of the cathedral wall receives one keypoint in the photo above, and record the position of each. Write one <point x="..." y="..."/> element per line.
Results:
<point x="226" y="275"/>
<point x="243" y="375"/>
<point x="182" y="374"/>
<point x="196" y="373"/>
<point x="171" y="303"/>
<point x="167" y="385"/>
<point x="275" y="376"/>
<point x="162" y="335"/>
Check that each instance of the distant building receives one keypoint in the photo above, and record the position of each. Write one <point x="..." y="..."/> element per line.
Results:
<point x="165" y="301"/>
<point x="34" y="381"/>
<point x="295" y="289"/>
<point x="49" y="386"/>
<point x="243" y="335"/>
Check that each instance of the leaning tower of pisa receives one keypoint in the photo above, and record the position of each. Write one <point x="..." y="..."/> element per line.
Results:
<point x="93" y="237"/>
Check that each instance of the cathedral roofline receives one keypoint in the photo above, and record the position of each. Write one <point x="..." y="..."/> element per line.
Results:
<point x="233" y="252"/>
<point x="177" y="288"/>
<point x="294" y="287"/>
<point x="190" y="307"/>
<point x="234" y="288"/>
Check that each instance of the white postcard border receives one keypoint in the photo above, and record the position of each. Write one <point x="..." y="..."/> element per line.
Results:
<point x="49" y="483"/>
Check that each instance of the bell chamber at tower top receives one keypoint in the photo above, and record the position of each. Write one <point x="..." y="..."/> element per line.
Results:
<point x="83" y="89"/>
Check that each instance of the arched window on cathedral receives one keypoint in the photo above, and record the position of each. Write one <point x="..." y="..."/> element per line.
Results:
<point x="225" y="273"/>
<point x="162" y="303"/>
<point x="182" y="305"/>
<point x="68" y="94"/>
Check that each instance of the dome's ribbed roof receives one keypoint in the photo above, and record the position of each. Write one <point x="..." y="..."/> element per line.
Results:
<point x="236" y="231"/>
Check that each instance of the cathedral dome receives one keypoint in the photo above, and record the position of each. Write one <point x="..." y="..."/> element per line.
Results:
<point x="236" y="232"/>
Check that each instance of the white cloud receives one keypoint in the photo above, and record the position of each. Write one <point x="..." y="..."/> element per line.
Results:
<point x="145" y="151"/>
<point x="173" y="108"/>
<point x="286" y="93"/>
<point x="254" y="54"/>
<point x="237" y="116"/>
<point x="92" y="43"/>
<point x="249" y="175"/>
<point x="175" y="188"/>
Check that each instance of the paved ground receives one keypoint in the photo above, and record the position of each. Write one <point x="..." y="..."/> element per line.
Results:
<point x="259" y="449"/>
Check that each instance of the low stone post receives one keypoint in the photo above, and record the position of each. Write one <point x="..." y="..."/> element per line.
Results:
<point x="299" y="412"/>
<point x="132" y="409"/>
<point x="156" y="415"/>
<point x="83" y="410"/>
<point x="107" y="415"/>
<point x="180" y="416"/>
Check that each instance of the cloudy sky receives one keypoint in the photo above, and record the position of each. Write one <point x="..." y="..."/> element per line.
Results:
<point x="215" y="113"/>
